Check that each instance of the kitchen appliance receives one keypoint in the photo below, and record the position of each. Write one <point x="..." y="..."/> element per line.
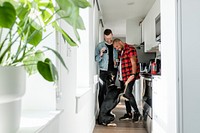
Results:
<point x="142" y="67"/>
<point x="147" y="101"/>
<point x="153" y="68"/>
<point x="150" y="65"/>
<point x="147" y="117"/>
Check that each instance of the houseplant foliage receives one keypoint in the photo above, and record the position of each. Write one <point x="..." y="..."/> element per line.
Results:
<point x="23" y="25"/>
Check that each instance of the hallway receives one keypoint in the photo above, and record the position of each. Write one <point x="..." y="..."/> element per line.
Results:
<point x="122" y="126"/>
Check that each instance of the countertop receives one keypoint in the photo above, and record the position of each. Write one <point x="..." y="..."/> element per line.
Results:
<point x="148" y="76"/>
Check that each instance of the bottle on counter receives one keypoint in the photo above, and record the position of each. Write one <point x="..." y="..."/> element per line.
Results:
<point x="153" y="68"/>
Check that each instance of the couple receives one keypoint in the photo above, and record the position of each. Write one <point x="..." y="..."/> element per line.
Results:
<point x="106" y="54"/>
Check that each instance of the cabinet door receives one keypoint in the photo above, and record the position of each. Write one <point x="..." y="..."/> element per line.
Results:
<point x="159" y="105"/>
<point x="149" y="35"/>
<point x="157" y="128"/>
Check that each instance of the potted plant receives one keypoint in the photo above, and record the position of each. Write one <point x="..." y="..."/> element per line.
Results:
<point x="23" y="25"/>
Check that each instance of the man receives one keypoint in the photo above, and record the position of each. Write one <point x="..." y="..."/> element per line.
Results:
<point x="106" y="57"/>
<point x="129" y="72"/>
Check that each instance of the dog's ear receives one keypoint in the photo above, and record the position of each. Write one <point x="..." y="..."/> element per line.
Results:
<point x="111" y="79"/>
<point x="112" y="76"/>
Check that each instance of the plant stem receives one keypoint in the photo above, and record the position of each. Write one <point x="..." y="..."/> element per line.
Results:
<point x="1" y="33"/>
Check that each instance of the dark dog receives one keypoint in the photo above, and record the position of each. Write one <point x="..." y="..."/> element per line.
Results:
<point x="109" y="103"/>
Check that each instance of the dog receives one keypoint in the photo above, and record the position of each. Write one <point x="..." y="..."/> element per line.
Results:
<point x="111" y="100"/>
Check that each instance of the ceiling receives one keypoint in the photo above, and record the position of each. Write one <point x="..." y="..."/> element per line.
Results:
<point x="116" y="12"/>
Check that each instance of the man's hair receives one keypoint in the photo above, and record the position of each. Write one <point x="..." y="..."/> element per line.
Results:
<point x="107" y="32"/>
<point x="116" y="40"/>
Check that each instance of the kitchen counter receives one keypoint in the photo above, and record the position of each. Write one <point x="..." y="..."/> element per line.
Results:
<point x="148" y="76"/>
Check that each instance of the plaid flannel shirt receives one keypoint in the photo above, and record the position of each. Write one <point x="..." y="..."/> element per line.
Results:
<point x="126" y="66"/>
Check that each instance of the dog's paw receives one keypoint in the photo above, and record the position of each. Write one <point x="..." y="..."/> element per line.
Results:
<point x="111" y="124"/>
<point x="122" y="96"/>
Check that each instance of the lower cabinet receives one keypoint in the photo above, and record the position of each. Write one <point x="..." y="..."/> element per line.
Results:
<point x="157" y="128"/>
<point x="159" y="106"/>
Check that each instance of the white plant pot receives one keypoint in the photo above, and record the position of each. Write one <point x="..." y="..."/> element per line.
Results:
<point x="12" y="88"/>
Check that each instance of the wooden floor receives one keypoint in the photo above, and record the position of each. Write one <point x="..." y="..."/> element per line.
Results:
<point x="122" y="126"/>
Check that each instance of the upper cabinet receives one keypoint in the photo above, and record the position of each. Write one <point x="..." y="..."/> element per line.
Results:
<point x="149" y="27"/>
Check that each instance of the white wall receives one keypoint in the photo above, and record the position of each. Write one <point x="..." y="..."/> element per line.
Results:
<point x="169" y="61"/>
<point x="67" y="85"/>
<point x="78" y="98"/>
<point x="133" y="31"/>
<point x="40" y="94"/>
<point x="189" y="65"/>
<point x="118" y="31"/>
<point x="180" y="36"/>
<point x="83" y="69"/>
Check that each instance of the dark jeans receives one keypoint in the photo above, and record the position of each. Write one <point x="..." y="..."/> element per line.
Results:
<point x="129" y="95"/>
<point x="103" y="84"/>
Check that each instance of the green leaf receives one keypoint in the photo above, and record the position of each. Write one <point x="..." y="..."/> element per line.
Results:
<point x="7" y="15"/>
<point x="65" y="5"/>
<point x="30" y="62"/>
<point x="72" y="19"/>
<point x="75" y="20"/>
<point x="82" y="3"/>
<point x="80" y="23"/>
<point x="47" y="10"/>
<point x="65" y="35"/>
<point x="77" y="35"/>
<point x="63" y="13"/>
<point x="22" y="11"/>
<point x="29" y="33"/>
<point x="71" y="14"/>
<point x="58" y="56"/>
<point x="53" y="69"/>
<point x="34" y="36"/>
<point x="36" y="23"/>
<point x="45" y="70"/>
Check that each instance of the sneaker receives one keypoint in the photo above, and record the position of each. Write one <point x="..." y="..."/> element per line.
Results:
<point x="126" y="117"/>
<point x="136" y="116"/>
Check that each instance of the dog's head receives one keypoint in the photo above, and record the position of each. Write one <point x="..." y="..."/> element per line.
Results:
<point x="110" y="79"/>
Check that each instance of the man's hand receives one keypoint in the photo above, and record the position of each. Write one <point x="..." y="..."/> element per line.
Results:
<point x="102" y="51"/>
<point x="129" y="79"/>
<point x="125" y="88"/>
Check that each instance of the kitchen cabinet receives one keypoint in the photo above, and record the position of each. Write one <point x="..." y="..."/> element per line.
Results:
<point x="159" y="106"/>
<point x="149" y="28"/>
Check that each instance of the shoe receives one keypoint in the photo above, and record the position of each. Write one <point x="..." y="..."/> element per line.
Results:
<point x="136" y="116"/>
<point x="126" y="117"/>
